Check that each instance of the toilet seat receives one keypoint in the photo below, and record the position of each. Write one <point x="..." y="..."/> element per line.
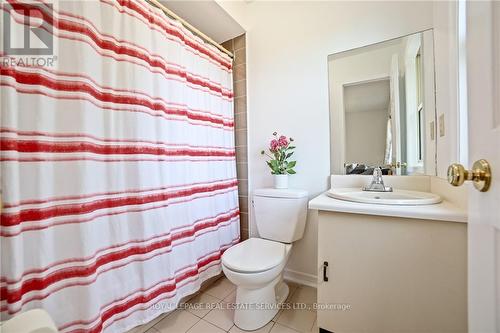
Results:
<point x="254" y="255"/>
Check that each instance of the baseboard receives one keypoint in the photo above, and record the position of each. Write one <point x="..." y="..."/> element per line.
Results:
<point x="301" y="278"/>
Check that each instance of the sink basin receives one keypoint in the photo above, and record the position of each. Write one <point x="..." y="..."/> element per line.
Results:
<point x="397" y="197"/>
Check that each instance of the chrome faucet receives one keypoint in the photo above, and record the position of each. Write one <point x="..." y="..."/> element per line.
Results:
<point x="377" y="184"/>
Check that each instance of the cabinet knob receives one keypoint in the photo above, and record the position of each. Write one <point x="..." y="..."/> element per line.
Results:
<point x="325" y="267"/>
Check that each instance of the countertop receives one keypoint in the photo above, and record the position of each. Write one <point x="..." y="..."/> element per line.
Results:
<point x="444" y="211"/>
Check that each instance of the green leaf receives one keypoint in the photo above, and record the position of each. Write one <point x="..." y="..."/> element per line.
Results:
<point x="291" y="147"/>
<point x="291" y="171"/>
<point x="288" y="155"/>
<point x="291" y="164"/>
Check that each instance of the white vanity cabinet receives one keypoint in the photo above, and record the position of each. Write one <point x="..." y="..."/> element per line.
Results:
<point x="391" y="274"/>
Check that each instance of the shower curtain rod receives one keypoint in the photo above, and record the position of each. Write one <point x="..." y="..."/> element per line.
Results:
<point x="186" y="24"/>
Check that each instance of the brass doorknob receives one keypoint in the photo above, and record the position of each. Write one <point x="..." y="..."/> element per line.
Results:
<point x="480" y="175"/>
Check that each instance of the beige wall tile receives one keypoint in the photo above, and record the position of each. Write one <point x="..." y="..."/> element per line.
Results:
<point x="228" y="45"/>
<point x="244" y="220"/>
<point x="240" y="104"/>
<point x="240" y="56"/>
<point x="237" y="46"/>
<point x="240" y="88"/>
<point x="239" y="42"/>
<point x="241" y="154"/>
<point x="240" y="120"/>
<point x="241" y="137"/>
<point x="244" y="234"/>
<point x="239" y="72"/>
<point x="243" y="202"/>
<point x="243" y="187"/>
<point x="242" y="170"/>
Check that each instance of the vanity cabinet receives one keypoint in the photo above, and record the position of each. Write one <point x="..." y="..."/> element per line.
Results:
<point x="391" y="274"/>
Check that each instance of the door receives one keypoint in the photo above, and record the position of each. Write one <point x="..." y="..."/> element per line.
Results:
<point x="395" y="112"/>
<point x="483" y="86"/>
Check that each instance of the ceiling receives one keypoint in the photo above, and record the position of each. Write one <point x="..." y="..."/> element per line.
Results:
<point x="208" y="17"/>
<point x="367" y="96"/>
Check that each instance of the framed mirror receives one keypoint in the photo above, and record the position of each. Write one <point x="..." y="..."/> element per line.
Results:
<point x="382" y="107"/>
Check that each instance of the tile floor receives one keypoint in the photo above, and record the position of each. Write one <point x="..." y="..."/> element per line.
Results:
<point x="193" y="318"/>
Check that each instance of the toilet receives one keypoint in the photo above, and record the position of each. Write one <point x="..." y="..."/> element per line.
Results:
<point x="256" y="265"/>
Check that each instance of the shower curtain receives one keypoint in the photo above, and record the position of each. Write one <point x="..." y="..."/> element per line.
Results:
<point x="118" y="171"/>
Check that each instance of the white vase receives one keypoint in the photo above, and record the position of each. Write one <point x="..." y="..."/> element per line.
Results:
<point x="280" y="181"/>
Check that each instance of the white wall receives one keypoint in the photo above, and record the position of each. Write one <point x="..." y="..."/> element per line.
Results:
<point x="287" y="48"/>
<point x="446" y="60"/>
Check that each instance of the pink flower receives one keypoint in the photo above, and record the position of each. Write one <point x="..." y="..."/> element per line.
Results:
<point x="283" y="141"/>
<point x="274" y="145"/>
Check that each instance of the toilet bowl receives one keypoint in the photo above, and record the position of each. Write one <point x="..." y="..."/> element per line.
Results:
<point x="256" y="265"/>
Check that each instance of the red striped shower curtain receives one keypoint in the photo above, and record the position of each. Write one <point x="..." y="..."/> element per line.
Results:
<point x="117" y="165"/>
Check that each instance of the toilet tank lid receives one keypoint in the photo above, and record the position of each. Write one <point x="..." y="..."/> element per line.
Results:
<point x="280" y="193"/>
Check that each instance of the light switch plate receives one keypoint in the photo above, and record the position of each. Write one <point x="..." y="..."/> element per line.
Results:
<point x="441" y="125"/>
<point x="433" y="130"/>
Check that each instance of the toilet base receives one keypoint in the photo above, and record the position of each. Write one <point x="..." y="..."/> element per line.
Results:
<point x="282" y="291"/>
<point x="257" y="307"/>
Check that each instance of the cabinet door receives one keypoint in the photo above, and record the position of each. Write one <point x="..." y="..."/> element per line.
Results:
<point x="326" y="289"/>
<point x="389" y="274"/>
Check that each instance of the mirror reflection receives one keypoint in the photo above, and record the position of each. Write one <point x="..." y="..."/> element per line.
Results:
<point x="382" y="107"/>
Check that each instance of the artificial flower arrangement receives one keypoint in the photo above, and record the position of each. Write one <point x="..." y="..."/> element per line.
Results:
<point x="280" y="151"/>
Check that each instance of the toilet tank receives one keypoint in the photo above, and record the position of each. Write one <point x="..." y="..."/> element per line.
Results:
<point x="280" y="214"/>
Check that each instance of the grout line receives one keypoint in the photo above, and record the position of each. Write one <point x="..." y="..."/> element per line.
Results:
<point x="217" y="298"/>
<point x="194" y="323"/>
<point x="215" y="324"/>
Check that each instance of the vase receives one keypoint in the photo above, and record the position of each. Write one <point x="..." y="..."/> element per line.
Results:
<point x="280" y="181"/>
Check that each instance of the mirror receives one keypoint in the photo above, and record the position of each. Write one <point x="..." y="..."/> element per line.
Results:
<point x="382" y="107"/>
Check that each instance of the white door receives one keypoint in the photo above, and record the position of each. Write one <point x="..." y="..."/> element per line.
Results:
<point x="483" y="78"/>
<point x="395" y="115"/>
